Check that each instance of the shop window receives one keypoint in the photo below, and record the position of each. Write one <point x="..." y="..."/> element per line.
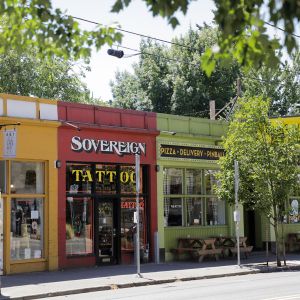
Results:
<point x="210" y="181"/>
<point x="294" y="213"/>
<point x="128" y="227"/>
<point x="190" y="209"/>
<point x="106" y="178"/>
<point x="173" y="181"/>
<point x="27" y="178"/>
<point x="79" y="178"/>
<point x="215" y="211"/>
<point x="127" y="180"/>
<point x="193" y="181"/>
<point x="26" y="233"/>
<point x="194" y="212"/>
<point x="2" y="176"/>
<point x="173" y="212"/>
<point x="79" y="229"/>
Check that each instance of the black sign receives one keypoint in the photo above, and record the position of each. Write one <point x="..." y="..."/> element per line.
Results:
<point x="191" y="152"/>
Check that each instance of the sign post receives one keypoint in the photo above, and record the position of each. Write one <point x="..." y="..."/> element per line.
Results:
<point x="236" y="215"/>
<point x="137" y="182"/>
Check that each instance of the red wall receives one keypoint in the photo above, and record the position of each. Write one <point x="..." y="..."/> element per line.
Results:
<point x="104" y="124"/>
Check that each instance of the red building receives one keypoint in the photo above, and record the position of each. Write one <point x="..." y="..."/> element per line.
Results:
<point x="96" y="192"/>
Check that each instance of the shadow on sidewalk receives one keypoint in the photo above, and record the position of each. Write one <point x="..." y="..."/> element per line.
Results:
<point x="255" y="260"/>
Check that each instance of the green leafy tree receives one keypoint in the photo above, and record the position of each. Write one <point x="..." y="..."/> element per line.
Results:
<point x="281" y="85"/>
<point x="54" y="78"/>
<point x="171" y="80"/>
<point x="129" y="94"/>
<point x="267" y="154"/>
<point x="243" y="29"/>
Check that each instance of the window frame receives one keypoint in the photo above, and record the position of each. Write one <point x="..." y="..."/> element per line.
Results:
<point x="185" y="196"/>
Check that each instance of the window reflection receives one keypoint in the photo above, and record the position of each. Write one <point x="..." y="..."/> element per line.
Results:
<point x="26" y="228"/>
<point x="79" y="220"/>
<point x="79" y="178"/>
<point x="193" y="181"/>
<point x="106" y="176"/>
<point x="173" y="211"/>
<point x="127" y="180"/>
<point x="27" y="178"/>
<point x="173" y="180"/>
<point x="128" y="227"/>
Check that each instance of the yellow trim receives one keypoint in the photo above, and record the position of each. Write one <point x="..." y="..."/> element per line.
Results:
<point x="31" y="122"/>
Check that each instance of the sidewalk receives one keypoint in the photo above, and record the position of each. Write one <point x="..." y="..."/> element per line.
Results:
<point x="80" y="280"/>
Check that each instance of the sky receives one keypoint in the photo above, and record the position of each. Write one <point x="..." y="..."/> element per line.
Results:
<point x="135" y="18"/>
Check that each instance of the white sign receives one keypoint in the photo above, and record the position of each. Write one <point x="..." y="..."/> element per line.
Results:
<point x="103" y="146"/>
<point x="10" y="143"/>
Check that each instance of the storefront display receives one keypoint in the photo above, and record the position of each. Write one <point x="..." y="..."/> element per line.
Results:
<point x="97" y="183"/>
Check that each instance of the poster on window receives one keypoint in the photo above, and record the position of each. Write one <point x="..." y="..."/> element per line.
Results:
<point x="10" y="143"/>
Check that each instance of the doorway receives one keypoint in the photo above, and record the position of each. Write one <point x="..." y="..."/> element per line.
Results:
<point x="250" y="227"/>
<point x="106" y="233"/>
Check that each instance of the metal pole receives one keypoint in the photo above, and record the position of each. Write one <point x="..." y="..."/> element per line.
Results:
<point x="236" y="212"/>
<point x="137" y="182"/>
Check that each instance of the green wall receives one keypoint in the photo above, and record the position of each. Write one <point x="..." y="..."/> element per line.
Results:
<point x="177" y="130"/>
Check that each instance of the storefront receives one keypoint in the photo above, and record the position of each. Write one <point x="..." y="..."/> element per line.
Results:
<point x="28" y="183"/>
<point x="97" y="195"/>
<point x="187" y="151"/>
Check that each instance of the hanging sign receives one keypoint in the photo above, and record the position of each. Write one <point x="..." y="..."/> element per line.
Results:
<point x="10" y="143"/>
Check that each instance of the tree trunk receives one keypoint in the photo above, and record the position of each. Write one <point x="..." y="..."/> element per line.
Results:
<point x="283" y="243"/>
<point x="276" y="242"/>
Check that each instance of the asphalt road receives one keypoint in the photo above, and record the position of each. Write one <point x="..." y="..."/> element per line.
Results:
<point x="271" y="286"/>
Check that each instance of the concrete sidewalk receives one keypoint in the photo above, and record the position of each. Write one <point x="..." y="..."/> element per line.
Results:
<point x="81" y="280"/>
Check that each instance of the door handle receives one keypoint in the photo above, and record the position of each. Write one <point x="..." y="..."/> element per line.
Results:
<point x="114" y="232"/>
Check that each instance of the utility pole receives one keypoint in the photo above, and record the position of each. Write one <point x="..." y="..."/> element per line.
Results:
<point x="212" y="109"/>
<point x="236" y="215"/>
<point x="137" y="214"/>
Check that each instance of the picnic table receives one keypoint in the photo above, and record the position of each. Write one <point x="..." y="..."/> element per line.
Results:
<point x="197" y="247"/>
<point x="243" y="247"/>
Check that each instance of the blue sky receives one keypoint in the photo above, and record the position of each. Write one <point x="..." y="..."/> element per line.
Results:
<point x="134" y="18"/>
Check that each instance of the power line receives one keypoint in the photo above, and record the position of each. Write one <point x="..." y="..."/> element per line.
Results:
<point x="157" y="55"/>
<point x="139" y="34"/>
<point x="290" y="33"/>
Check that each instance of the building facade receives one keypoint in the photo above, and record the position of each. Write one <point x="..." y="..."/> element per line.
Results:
<point x="28" y="183"/>
<point x="97" y="184"/>
<point x="188" y="150"/>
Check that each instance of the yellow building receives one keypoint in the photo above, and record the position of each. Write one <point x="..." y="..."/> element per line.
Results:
<point x="28" y="183"/>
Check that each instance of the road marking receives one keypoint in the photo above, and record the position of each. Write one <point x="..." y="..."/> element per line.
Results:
<point x="290" y="297"/>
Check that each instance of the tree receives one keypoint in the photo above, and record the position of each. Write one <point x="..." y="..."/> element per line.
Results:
<point x="171" y="80"/>
<point x="243" y="30"/>
<point x="267" y="154"/>
<point x="281" y="85"/>
<point x="54" y="78"/>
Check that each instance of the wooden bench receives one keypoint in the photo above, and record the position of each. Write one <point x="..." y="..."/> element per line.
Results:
<point x="243" y="247"/>
<point x="206" y="252"/>
<point x="178" y="251"/>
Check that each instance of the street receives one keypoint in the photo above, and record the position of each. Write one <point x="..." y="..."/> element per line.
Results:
<point x="268" y="286"/>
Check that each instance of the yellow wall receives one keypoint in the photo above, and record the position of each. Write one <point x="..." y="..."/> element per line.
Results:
<point x="36" y="141"/>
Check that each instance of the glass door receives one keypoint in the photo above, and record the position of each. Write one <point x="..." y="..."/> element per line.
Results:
<point x="106" y="233"/>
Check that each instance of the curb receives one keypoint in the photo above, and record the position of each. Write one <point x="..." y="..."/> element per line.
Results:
<point x="265" y="269"/>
